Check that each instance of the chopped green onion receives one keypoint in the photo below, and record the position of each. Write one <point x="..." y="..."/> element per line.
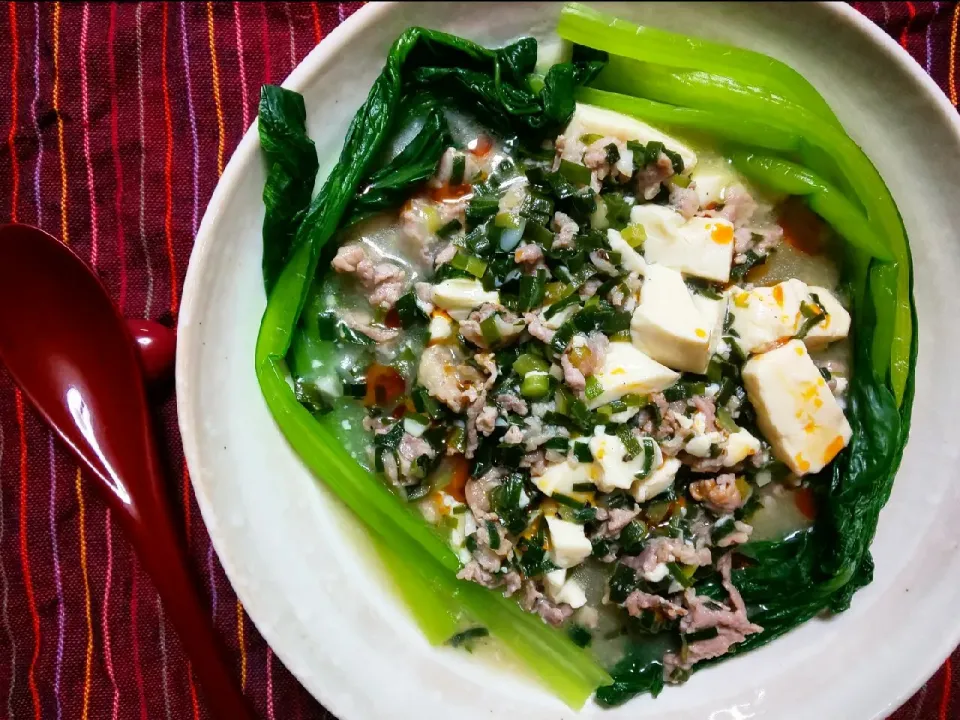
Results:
<point x="634" y="234"/>
<point x="584" y="487"/>
<point x="657" y="512"/>
<point x="450" y="228"/>
<point x="567" y="500"/>
<point x="465" y="639"/>
<point x="528" y="363"/>
<point x="538" y="234"/>
<point x="535" y="385"/>
<point x="680" y="180"/>
<point x="408" y="311"/>
<point x="725" y="420"/>
<point x="593" y="389"/>
<point x="581" y="451"/>
<point x="493" y="535"/>
<point x="459" y="167"/>
<point x="813" y="313"/>
<point x="559" y="305"/>
<point x="561" y="444"/>
<point x="590" y="138"/>
<point x="649" y="455"/>
<point x="723" y="527"/>
<point x="532" y="289"/>
<point x="683" y="574"/>
<point x="576" y="174"/>
<point x="469" y="264"/>
<point x="506" y="220"/>
<point x="491" y="333"/>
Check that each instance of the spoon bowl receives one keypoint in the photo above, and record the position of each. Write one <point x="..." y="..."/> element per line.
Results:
<point x="68" y="348"/>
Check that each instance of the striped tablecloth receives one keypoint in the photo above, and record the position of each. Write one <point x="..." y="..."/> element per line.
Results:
<point x="118" y="120"/>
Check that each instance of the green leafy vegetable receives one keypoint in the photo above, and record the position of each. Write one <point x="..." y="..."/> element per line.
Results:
<point x="291" y="172"/>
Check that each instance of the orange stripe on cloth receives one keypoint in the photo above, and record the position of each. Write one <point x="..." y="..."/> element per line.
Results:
<point x="168" y="165"/>
<point x="11" y="138"/>
<point x="317" y="30"/>
<point x="216" y="88"/>
<point x="88" y="664"/>
<point x="25" y="559"/>
<point x="64" y="232"/>
<point x="953" y="54"/>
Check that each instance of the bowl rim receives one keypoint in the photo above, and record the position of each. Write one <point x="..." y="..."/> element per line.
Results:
<point x="189" y="337"/>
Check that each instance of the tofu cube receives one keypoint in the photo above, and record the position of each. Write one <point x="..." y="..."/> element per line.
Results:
<point x="628" y="370"/>
<point x="796" y="411"/>
<point x="835" y="326"/>
<point x="571" y="594"/>
<point x="711" y="178"/>
<point x="561" y="477"/>
<point x="658" y="481"/>
<point x="739" y="446"/>
<point x="767" y="315"/>
<point x="630" y="259"/>
<point x="553" y="581"/>
<point x="462" y="294"/>
<point x="611" y="470"/>
<point x="669" y="326"/>
<point x="592" y="120"/>
<point x="569" y="544"/>
<point x="700" y="246"/>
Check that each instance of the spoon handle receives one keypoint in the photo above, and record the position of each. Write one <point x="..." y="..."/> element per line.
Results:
<point x="151" y="531"/>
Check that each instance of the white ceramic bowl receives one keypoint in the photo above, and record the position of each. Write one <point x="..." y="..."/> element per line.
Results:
<point x="300" y="564"/>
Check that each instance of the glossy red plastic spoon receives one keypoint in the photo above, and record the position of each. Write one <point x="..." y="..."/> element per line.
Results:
<point x="71" y="352"/>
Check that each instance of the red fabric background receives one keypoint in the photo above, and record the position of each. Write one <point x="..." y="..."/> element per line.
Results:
<point x="117" y="121"/>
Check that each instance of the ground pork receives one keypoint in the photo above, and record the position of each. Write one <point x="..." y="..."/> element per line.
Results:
<point x="528" y="254"/>
<point x="738" y="205"/>
<point x="566" y="230"/>
<point x="535" y="461"/>
<point x="504" y="546"/>
<point x="685" y="200"/>
<point x="638" y="601"/>
<point x="355" y="321"/>
<point x="536" y="328"/>
<point x="732" y="624"/>
<point x="590" y="287"/>
<point x="445" y="376"/>
<point x="719" y="494"/>
<point x="410" y="448"/>
<point x="568" y="149"/>
<point x="761" y="241"/>
<point x="513" y="435"/>
<point x="474" y="572"/>
<point x="601" y="260"/>
<point x="650" y="177"/>
<point x="532" y="600"/>
<point x="572" y="375"/>
<point x="383" y="281"/>
<point x="667" y="550"/>
<point x="445" y="255"/>
<point x="487" y="420"/>
<point x="477" y="493"/>
<point x="512" y="404"/>
<point x="596" y="158"/>
<point x="740" y="535"/>
<point x="617" y="520"/>
<point x="709" y="409"/>
<point x="535" y="433"/>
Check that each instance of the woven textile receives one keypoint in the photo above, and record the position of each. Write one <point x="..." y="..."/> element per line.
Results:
<point x="117" y="121"/>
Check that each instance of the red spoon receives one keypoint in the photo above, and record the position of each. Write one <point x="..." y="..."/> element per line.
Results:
<point x="71" y="352"/>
